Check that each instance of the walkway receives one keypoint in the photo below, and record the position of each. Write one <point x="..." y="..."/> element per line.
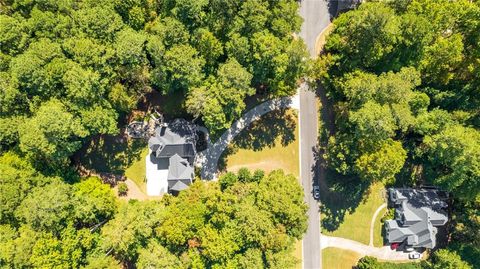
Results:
<point x="372" y="223"/>
<point x="208" y="159"/>
<point x="383" y="253"/>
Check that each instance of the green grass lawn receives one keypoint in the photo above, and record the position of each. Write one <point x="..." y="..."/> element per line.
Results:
<point x="136" y="171"/>
<point x="377" y="230"/>
<point x="356" y="223"/>
<point x="335" y="258"/>
<point x="268" y="144"/>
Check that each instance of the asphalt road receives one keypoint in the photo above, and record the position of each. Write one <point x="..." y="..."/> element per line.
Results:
<point x="312" y="254"/>
<point x="316" y="15"/>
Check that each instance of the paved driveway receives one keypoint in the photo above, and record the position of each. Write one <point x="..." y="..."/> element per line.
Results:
<point x="384" y="253"/>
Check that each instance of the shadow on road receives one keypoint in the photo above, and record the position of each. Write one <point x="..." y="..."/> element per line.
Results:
<point x="338" y="194"/>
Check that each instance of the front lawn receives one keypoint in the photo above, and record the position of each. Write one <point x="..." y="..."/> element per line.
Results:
<point x="377" y="230"/>
<point x="268" y="144"/>
<point x="355" y="224"/>
<point x="335" y="258"/>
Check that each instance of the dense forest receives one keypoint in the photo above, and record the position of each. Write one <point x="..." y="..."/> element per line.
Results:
<point x="404" y="77"/>
<point x="69" y="70"/>
<point x="242" y="221"/>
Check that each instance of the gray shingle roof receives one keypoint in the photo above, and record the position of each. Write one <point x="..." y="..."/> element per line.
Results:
<point x="175" y="141"/>
<point x="179" y="168"/>
<point x="418" y="213"/>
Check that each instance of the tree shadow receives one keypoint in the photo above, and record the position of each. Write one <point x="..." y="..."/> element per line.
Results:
<point x="339" y="194"/>
<point x="272" y="128"/>
<point x="110" y="154"/>
<point x="276" y="126"/>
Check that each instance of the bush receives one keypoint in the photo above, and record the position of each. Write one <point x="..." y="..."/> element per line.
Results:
<point x="244" y="175"/>
<point x="390" y="214"/>
<point x="258" y="175"/>
<point x="368" y="262"/>
<point x="122" y="189"/>
<point x="227" y="180"/>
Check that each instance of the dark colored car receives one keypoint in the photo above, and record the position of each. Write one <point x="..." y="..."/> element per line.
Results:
<point x="316" y="192"/>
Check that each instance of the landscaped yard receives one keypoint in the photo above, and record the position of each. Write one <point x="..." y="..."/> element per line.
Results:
<point x="116" y="155"/>
<point x="136" y="171"/>
<point x="355" y="224"/>
<point x="268" y="144"/>
<point x="335" y="258"/>
<point x="377" y="230"/>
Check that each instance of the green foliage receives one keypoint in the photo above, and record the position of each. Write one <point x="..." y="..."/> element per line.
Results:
<point x="131" y="227"/>
<point x="454" y="158"/>
<point x="446" y="259"/>
<point x="403" y="76"/>
<point x="382" y="164"/>
<point x="157" y="256"/>
<point x="122" y="189"/>
<point x="220" y="100"/>
<point x="94" y="201"/>
<point x="368" y="262"/>
<point x="52" y="134"/>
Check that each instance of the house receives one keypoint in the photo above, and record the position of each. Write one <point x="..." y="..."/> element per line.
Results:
<point x="418" y="215"/>
<point x="171" y="155"/>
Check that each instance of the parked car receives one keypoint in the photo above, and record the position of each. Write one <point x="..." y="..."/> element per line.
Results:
<point x="394" y="246"/>
<point x="316" y="192"/>
<point x="414" y="255"/>
<point x="410" y="249"/>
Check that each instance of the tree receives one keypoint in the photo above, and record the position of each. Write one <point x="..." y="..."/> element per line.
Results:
<point x="364" y="38"/>
<point x="157" y="256"/>
<point x="18" y="179"/>
<point x="446" y="259"/>
<point x="382" y="164"/>
<point x="94" y="201"/>
<point x="454" y="157"/>
<point x="220" y="101"/>
<point x="183" y="68"/>
<point x="282" y="196"/>
<point x="52" y="134"/>
<point x="373" y="123"/>
<point x="368" y="262"/>
<point x="39" y="211"/>
<point x="131" y="227"/>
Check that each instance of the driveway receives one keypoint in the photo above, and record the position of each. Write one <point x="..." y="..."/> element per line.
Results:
<point x="208" y="159"/>
<point x="383" y="253"/>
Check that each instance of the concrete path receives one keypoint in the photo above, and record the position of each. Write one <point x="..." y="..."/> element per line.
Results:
<point x="372" y="223"/>
<point x="208" y="159"/>
<point x="384" y="253"/>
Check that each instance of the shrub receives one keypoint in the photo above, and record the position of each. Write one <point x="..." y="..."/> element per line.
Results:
<point x="122" y="189"/>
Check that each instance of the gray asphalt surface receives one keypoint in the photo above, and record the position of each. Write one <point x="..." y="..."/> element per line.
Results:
<point x="316" y="15"/>
<point x="312" y="254"/>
